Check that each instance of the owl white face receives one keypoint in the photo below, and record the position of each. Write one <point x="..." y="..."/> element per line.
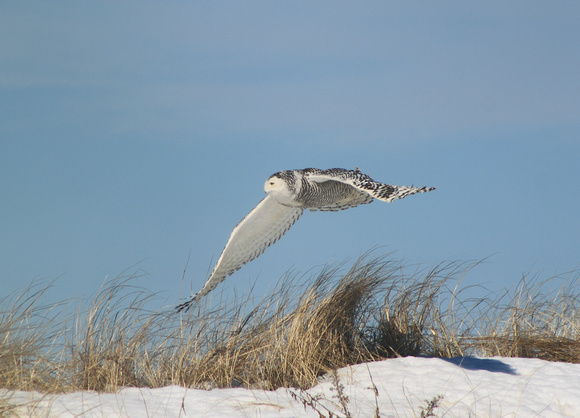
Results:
<point x="275" y="184"/>
<point x="278" y="189"/>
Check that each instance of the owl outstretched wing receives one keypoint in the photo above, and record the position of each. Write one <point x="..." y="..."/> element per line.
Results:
<point x="262" y="227"/>
<point x="363" y="184"/>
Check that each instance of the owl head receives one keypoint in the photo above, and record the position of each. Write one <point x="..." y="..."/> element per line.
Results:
<point x="281" y="186"/>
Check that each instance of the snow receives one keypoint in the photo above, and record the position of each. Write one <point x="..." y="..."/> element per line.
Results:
<point x="477" y="387"/>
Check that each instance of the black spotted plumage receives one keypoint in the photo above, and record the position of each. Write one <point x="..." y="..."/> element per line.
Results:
<point x="290" y="192"/>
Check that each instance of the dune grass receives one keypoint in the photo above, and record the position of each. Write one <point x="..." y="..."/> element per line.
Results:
<point x="306" y="327"/>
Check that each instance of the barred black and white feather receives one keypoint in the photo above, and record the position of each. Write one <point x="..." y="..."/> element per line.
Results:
<point x="289" y="194"/>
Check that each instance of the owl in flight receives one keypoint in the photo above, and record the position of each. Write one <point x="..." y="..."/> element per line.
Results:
<point x="289" y="193"/>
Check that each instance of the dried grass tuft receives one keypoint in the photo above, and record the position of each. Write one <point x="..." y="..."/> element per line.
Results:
<point x="375" y="309"/>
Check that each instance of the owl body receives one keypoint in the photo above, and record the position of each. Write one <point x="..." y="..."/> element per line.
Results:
<point x="289" y="193"/>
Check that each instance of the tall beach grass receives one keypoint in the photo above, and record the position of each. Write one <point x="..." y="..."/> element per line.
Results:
<point x="307" y="326"/>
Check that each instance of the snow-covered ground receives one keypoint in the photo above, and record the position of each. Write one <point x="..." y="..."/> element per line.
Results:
<point x="479" y="387"/>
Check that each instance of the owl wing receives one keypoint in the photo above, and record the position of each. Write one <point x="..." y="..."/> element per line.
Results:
<point x="262" y="227"/>
<point x="363" y="183"/>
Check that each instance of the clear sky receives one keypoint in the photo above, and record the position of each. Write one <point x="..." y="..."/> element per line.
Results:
<point x="135" y="135"/>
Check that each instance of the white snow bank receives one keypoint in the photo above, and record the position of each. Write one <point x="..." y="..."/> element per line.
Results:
<point x="469" y="386"/>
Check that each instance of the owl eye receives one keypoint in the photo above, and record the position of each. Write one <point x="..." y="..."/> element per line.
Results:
<point x="271" y="183"/>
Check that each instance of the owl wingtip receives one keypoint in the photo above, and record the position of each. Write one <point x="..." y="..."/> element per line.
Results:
<point x="185" y="306"/>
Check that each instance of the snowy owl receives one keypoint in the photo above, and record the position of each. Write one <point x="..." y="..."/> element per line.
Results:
<point x="289" y="193"/>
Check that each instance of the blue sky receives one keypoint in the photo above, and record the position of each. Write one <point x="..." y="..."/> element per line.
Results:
<point x="135" y="135"/>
